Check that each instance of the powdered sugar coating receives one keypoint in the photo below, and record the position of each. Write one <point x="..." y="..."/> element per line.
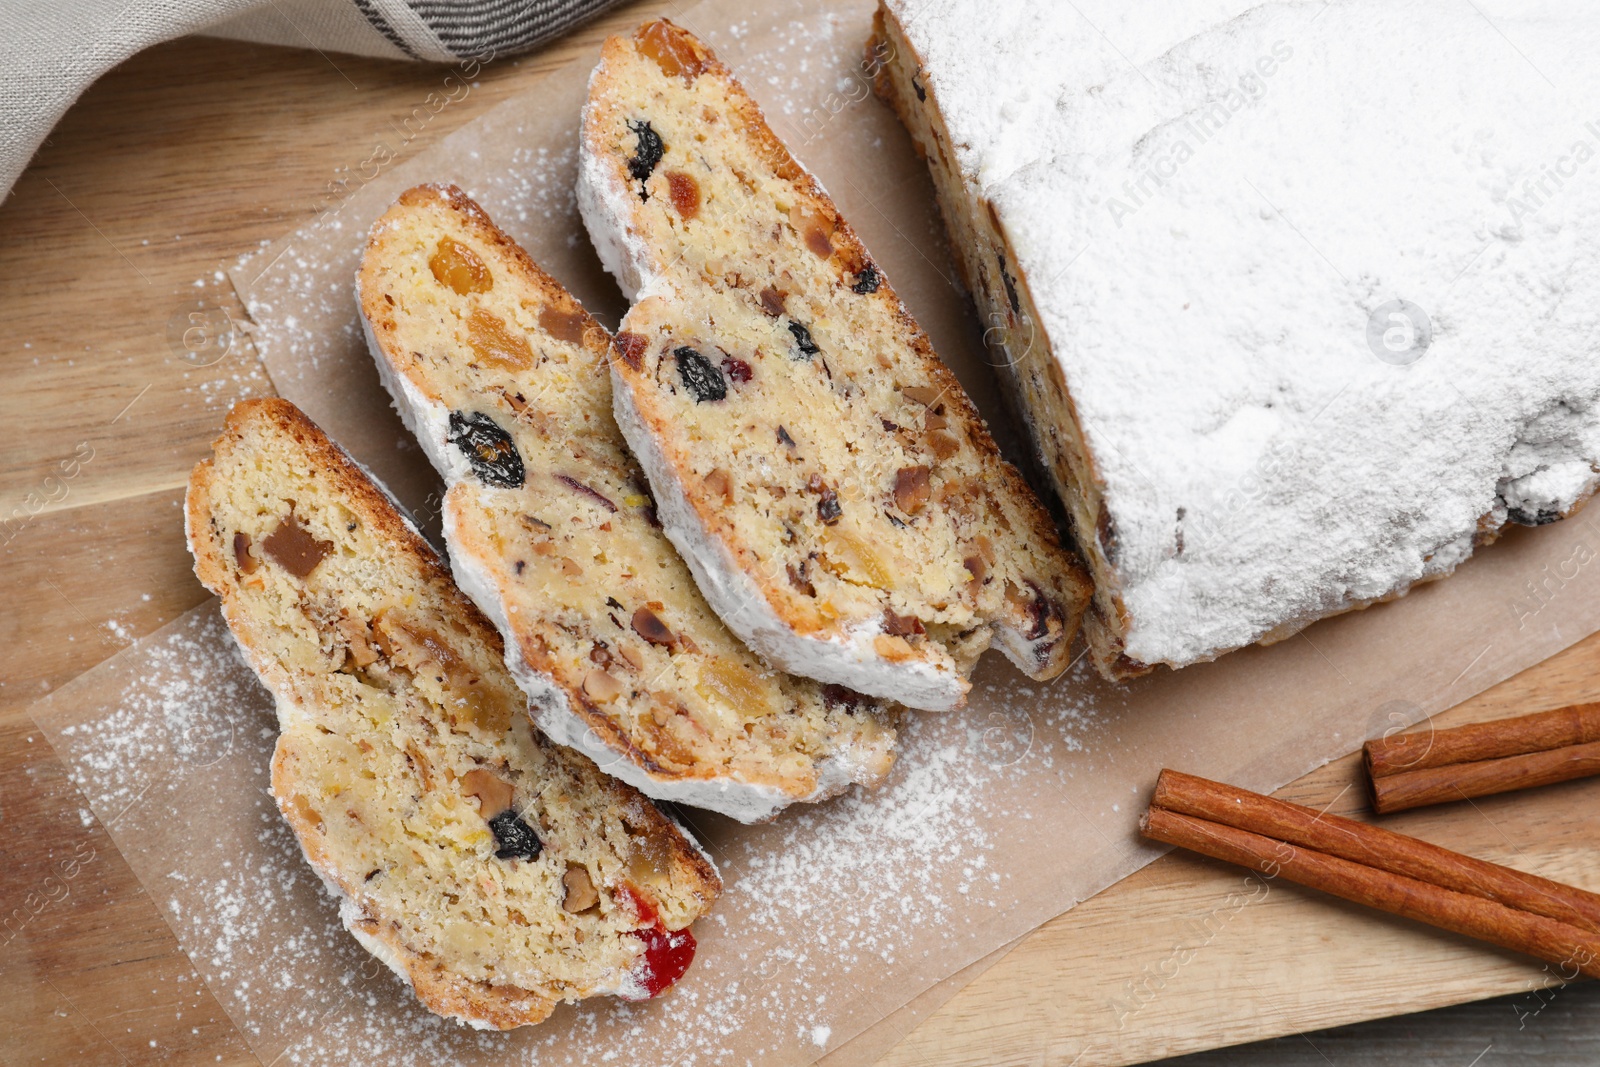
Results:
<point x="1216" y="206"/>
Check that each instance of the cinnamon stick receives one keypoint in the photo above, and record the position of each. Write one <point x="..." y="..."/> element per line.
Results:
<point x="1374" y="846"/>
<point x="1379" y="868"/>
<point x="1419" y="768"/>
<point x="1440" y="785"/>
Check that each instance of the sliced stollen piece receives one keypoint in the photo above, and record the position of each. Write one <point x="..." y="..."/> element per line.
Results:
<point x="503" y="377"/>
<point x="494" y="871"/>
<point x="830" y="484"/>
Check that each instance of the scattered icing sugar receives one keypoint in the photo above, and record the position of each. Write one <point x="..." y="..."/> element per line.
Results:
<point x="1320" y="345"/>
<point x="830" y="918"/>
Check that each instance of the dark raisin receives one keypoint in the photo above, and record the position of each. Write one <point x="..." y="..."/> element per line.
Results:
<point x="1523" y="517"/>
<point x="611" y="602"/>
<point x="1010" y="284"/>
<point x="828" y="509"/>
<point x="703" y="380"/>
<point x="489" y="449"/>
<point x="516" y="838"/>
<point x="592" y="494"/>
<point x="784" y="438"/>
<point x="648" y="153"/>
<point x="1044" y="615"/>
<point x="839" y="696"/>
<point x="737" y="370"/>
<point x="802" y="338"/>
<point x="772" y="301"/>
<point x="922" y="94"/>
<point x="867" y="280"/>
<point x="522" y="565"/>
<point x="798" y="579"/>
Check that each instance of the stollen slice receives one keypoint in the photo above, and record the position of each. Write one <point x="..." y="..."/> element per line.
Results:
<point x="494" y="871"/>
<point x="834" y="491"/>
<point x="551" y="527"/>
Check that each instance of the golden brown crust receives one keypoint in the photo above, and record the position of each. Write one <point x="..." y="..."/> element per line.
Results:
<point x="483" y="1003"/>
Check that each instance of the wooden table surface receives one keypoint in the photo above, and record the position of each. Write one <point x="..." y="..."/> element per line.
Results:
<point x="197" y="152"/>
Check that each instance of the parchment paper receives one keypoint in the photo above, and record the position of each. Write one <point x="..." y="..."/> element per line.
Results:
<point x="996" y="818"/>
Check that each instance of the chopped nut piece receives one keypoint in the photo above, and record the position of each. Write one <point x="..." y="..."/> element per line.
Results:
<point x="815" y="228"/>
<point x="717" y="484"/>
<point x="911" y="489"/>
<point x="570" y="567"/>
<point x="648" y="625"/>
<point x="922" y="394"/>
<point x="492" y="793"/>
<point x="602" y="686"/>
<point x="580" y="893"/>
<point x="293" y="548"/>
<point x="943" y="444"/>
<point x="772" y="301"/>
<point x="241" y="553"/>
<point x="358" y="640"/>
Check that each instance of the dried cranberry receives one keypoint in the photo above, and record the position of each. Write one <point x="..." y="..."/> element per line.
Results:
<point x="737" y="370"/>
<point x="802" y="339"/>
<point x="703" y="380"/>
<point x="828" y="509"/>
<point x="646" y="155"/>
<point x="867" y="280"/>
<point x="515" y="837"/>
<point x="667" y="955"/>
<point x="489" y="449"/>
<point x="593" y="494"/>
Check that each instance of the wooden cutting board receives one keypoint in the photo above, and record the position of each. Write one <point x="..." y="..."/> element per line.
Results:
<point x="196" y="152"/>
